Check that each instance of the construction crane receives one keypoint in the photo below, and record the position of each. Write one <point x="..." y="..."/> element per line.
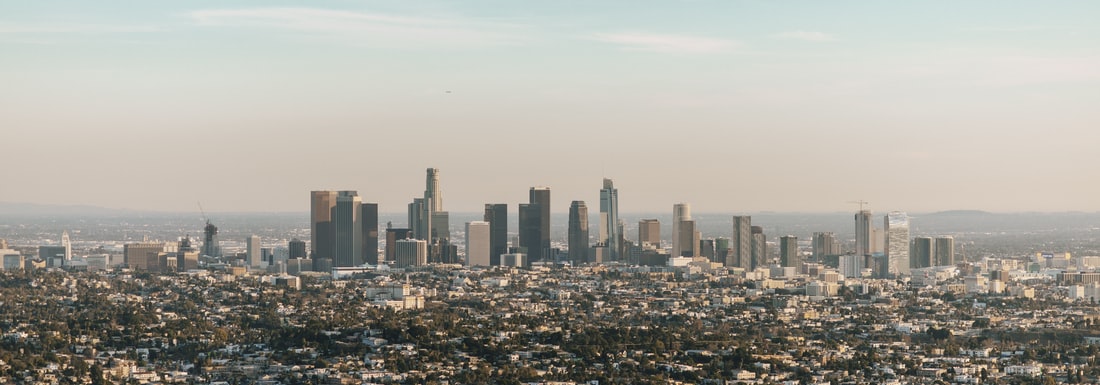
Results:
<point x="861" y="202"/>
<point x="203" y="212"/>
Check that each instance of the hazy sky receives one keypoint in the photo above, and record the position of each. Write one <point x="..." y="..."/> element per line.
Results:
<point x="733" y="106"/>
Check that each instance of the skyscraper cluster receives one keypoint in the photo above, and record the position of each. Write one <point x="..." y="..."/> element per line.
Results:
<point x="343" y="230"/>
<point x="430" y="223"/>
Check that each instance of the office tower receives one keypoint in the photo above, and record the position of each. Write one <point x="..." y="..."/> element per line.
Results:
<point x="530" y="231"/>
<point x="53" y="255"/>
<point x="210" y="244"/>
<point x="688" y="239"/>
<point x="878" y="240"/>
<point x="649" y="232"/>
<point x="534" y="224"/>
<point x="721" y="250"/>
<point x="67" y="245"/>
<point x="433" y="195"/>
<point x="682" y="241"/>
<point x="296" y="249"/>
<point x="741" y="243"/>
<point x="609" y="220"/>
<point x="945" y="251"/>
<point x="348" y="221"/>
<point x="322" y="229"/>
<point x="369" y="218"/>
<point x="441" y="226"/>
<point x="411" y="252"/>
<point x="896" y="225"/>
<point x="706" y="249"/>
<point x="863" y="232"/>
<point x="392" y="236"/>
<point x="759" y="247"/>
<point x="851" y="265"/>
<point x="186" y="256"/>
<point x="788" y="252"/>
<point x="922" y="253"/>
<point x="477" y="243"/>
<point x="578" y="232"/>
<point x="422" y="210"/>
<point x="825" y="244"/>
<point x="541" y="196"/>
<point x="143" y="256"/>
<point x="254" y="258"/>
<point x="497" y="216"/>
<point x="419" y="226"/>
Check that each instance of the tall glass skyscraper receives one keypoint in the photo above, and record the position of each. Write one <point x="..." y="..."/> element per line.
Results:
<point x="537" y="240"/>
<point x="322" y="231"/>
<point x="348" y="220"/>
<point x="370" y="233"/>
<point x="896" y="224"/>
<point x="578" y="233"/>
<point x="497" y="216"/>
<point x="945" y="251"/>
<point x="336" y="228"/>
<point x="863" y="232"/>
<point x="681" y="212"/>
<point x="788" y="252"/>
<point x="740" y="254"/>
<point x="609" y="220"/>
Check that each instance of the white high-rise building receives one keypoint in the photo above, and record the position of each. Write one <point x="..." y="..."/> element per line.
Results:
<point x="68" y="246"/>
<point x="477" y="243"/>
<point x="896" y="225"/>
<point x="609" y="220"/>
<point x="255" y="255"/>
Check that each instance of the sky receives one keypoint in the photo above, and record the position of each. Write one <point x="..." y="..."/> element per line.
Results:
<point x="730" y="105"/>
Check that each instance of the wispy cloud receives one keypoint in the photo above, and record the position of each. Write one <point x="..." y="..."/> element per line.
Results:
<point x="805" y="36"/>
<point x="1017" y="28"/>
<point x="366" y="28"/>
<point x="66" y="28"/>
<point x="678" y="44"/>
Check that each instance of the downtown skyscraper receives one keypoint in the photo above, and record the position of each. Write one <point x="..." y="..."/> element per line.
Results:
<point x="477" y="243"/>
<point x="338" y="229"/>
<point x="649" y="232"/>
<point x="427" y="220"/>
<point x="534" y="224"/>
<point x="685" y="239"/>
<point x="610" y="236"/>
<point x="896" y="225"/>
<point x="348" y="220"/>
<point x="863" y="232"/>
<point x="944" y="251"/>
<point x="740" y="252"/>
<point x="788" y="252"/>
<point x="825" y="244"/>
<point x="578" y="233"/>
<point x="496" y="214"/>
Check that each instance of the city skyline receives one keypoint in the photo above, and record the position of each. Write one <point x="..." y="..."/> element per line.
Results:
<point x="852" y="99"/>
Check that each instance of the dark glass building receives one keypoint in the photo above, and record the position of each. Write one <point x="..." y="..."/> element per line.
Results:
<point x="497" y="216"/>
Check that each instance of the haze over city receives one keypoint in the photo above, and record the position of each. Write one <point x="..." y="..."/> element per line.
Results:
<point x="733" y="106"/>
